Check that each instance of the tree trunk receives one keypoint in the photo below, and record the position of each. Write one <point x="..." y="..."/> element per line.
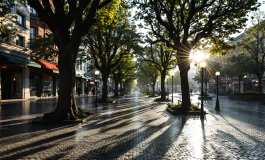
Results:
<point x="105" y="89"/>
<point x="66" y="106"/>
<point x="206" y="88"/>
<point x="260" y="87"/>
<point x="239" y="84"/>
<point x="121" y="88"/>
<point x="120" y="80"/>
<point x="163" y="92"/>
<point x="184" y="67"/>
<point x="154" y="84"/>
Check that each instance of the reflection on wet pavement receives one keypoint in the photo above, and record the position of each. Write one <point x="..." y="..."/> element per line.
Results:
<point x="134" y="127"/>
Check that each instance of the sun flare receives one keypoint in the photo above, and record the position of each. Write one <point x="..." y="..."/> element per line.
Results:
<point x="198" y="56"/>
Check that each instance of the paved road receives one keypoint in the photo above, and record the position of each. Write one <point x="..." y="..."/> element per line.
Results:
<point x="135" y="128"/>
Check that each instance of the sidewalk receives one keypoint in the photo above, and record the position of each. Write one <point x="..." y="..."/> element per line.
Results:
<point x="138" y="128"/>
<point x="35" y="98"/>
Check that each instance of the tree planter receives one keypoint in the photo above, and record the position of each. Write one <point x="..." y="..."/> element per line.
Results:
<point x="176" y="112"/>
<point x="117" y="96"/>
<point x="153" y="96"/>
<point x="107" y="101"/>
<point x="223" y="94"/>
<point x="160" y="100"/>
<point x="41" y="120"/>
<point x="206" y="98"/>
<point x="247" y="97"/>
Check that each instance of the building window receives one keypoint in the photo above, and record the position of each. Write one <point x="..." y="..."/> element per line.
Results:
<point x="46" y="35"/>
<point x="32" y="32"/>
<point x="32" y="10"/>
<point x="21" y="19"/>
<point x="20" y="41"/>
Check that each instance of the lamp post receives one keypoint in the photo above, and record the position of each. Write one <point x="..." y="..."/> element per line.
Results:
<point x="245" y="83"/>
<point x="96" y="74"/>
<point x="217" y="107"/>
<point x="202" y="65"/>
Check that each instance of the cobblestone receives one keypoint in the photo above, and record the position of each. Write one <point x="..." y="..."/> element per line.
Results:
<point x="137" y="128"/>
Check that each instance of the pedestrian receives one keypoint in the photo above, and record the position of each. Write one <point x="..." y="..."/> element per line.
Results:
<point x="86" y="90"/>
<point x="79" y="91"/>
<point x="93" y="91"/>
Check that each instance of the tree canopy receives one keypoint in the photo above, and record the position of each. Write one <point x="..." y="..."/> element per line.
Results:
<point x="150" y="71"/>
<point x="187" y="22"/>
<point x="108" y="43"/>
<point x="253" y="45"/>
<point x="162" y="58"/>
<point x="69" y="21"/>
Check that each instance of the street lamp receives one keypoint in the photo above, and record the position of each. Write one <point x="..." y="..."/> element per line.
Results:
<point x="217" y="107"/>
<point x="96" y="74"/>
<point x="245" y="83"/>
<point x="202" y="65"/>
<point x="172" y="74"/>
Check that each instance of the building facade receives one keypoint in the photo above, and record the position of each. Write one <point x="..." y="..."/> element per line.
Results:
<point x="249" y="82"/>
<point x="23" y="74"/>
<point x="15" y="61"/>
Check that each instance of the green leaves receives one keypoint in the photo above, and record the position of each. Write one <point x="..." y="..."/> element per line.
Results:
<point x="6" y="30"/>
<point x="44" y="47"/>
<point x="253" y="44"/>
<point x="186" y="23"/>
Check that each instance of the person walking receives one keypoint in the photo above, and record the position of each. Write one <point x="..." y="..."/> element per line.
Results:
<point x="93" y="92"/>
<point x="79" y="91"/>
<point x="86" y="90"/>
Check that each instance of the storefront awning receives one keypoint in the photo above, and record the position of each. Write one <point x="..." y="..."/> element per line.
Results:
<point x="54" y="71"/>
<point x="84" y="77"/>
<point x="47" y="65"/>
<point x="10" y="59"/>
<point x="80" y="76"/>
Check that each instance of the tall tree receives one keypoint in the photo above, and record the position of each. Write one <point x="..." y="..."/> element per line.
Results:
<point x="108" y="43"/>
<point x="124" y="72"/>
<point x="207" y="76"/>
<point x="142" y="81"/>
<point x="69" y="21"/>
<point x="187" y="22"/>
<point x="176" y="80"/>
<point x="163" y="59"/>
<point x="236" y="66"/>
<point x="254" y="45"/>
<point x="149" y="69"/>
<point x="128" y="70"/>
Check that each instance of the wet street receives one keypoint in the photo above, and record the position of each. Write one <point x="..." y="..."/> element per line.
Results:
<point x="135" y="127"/>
